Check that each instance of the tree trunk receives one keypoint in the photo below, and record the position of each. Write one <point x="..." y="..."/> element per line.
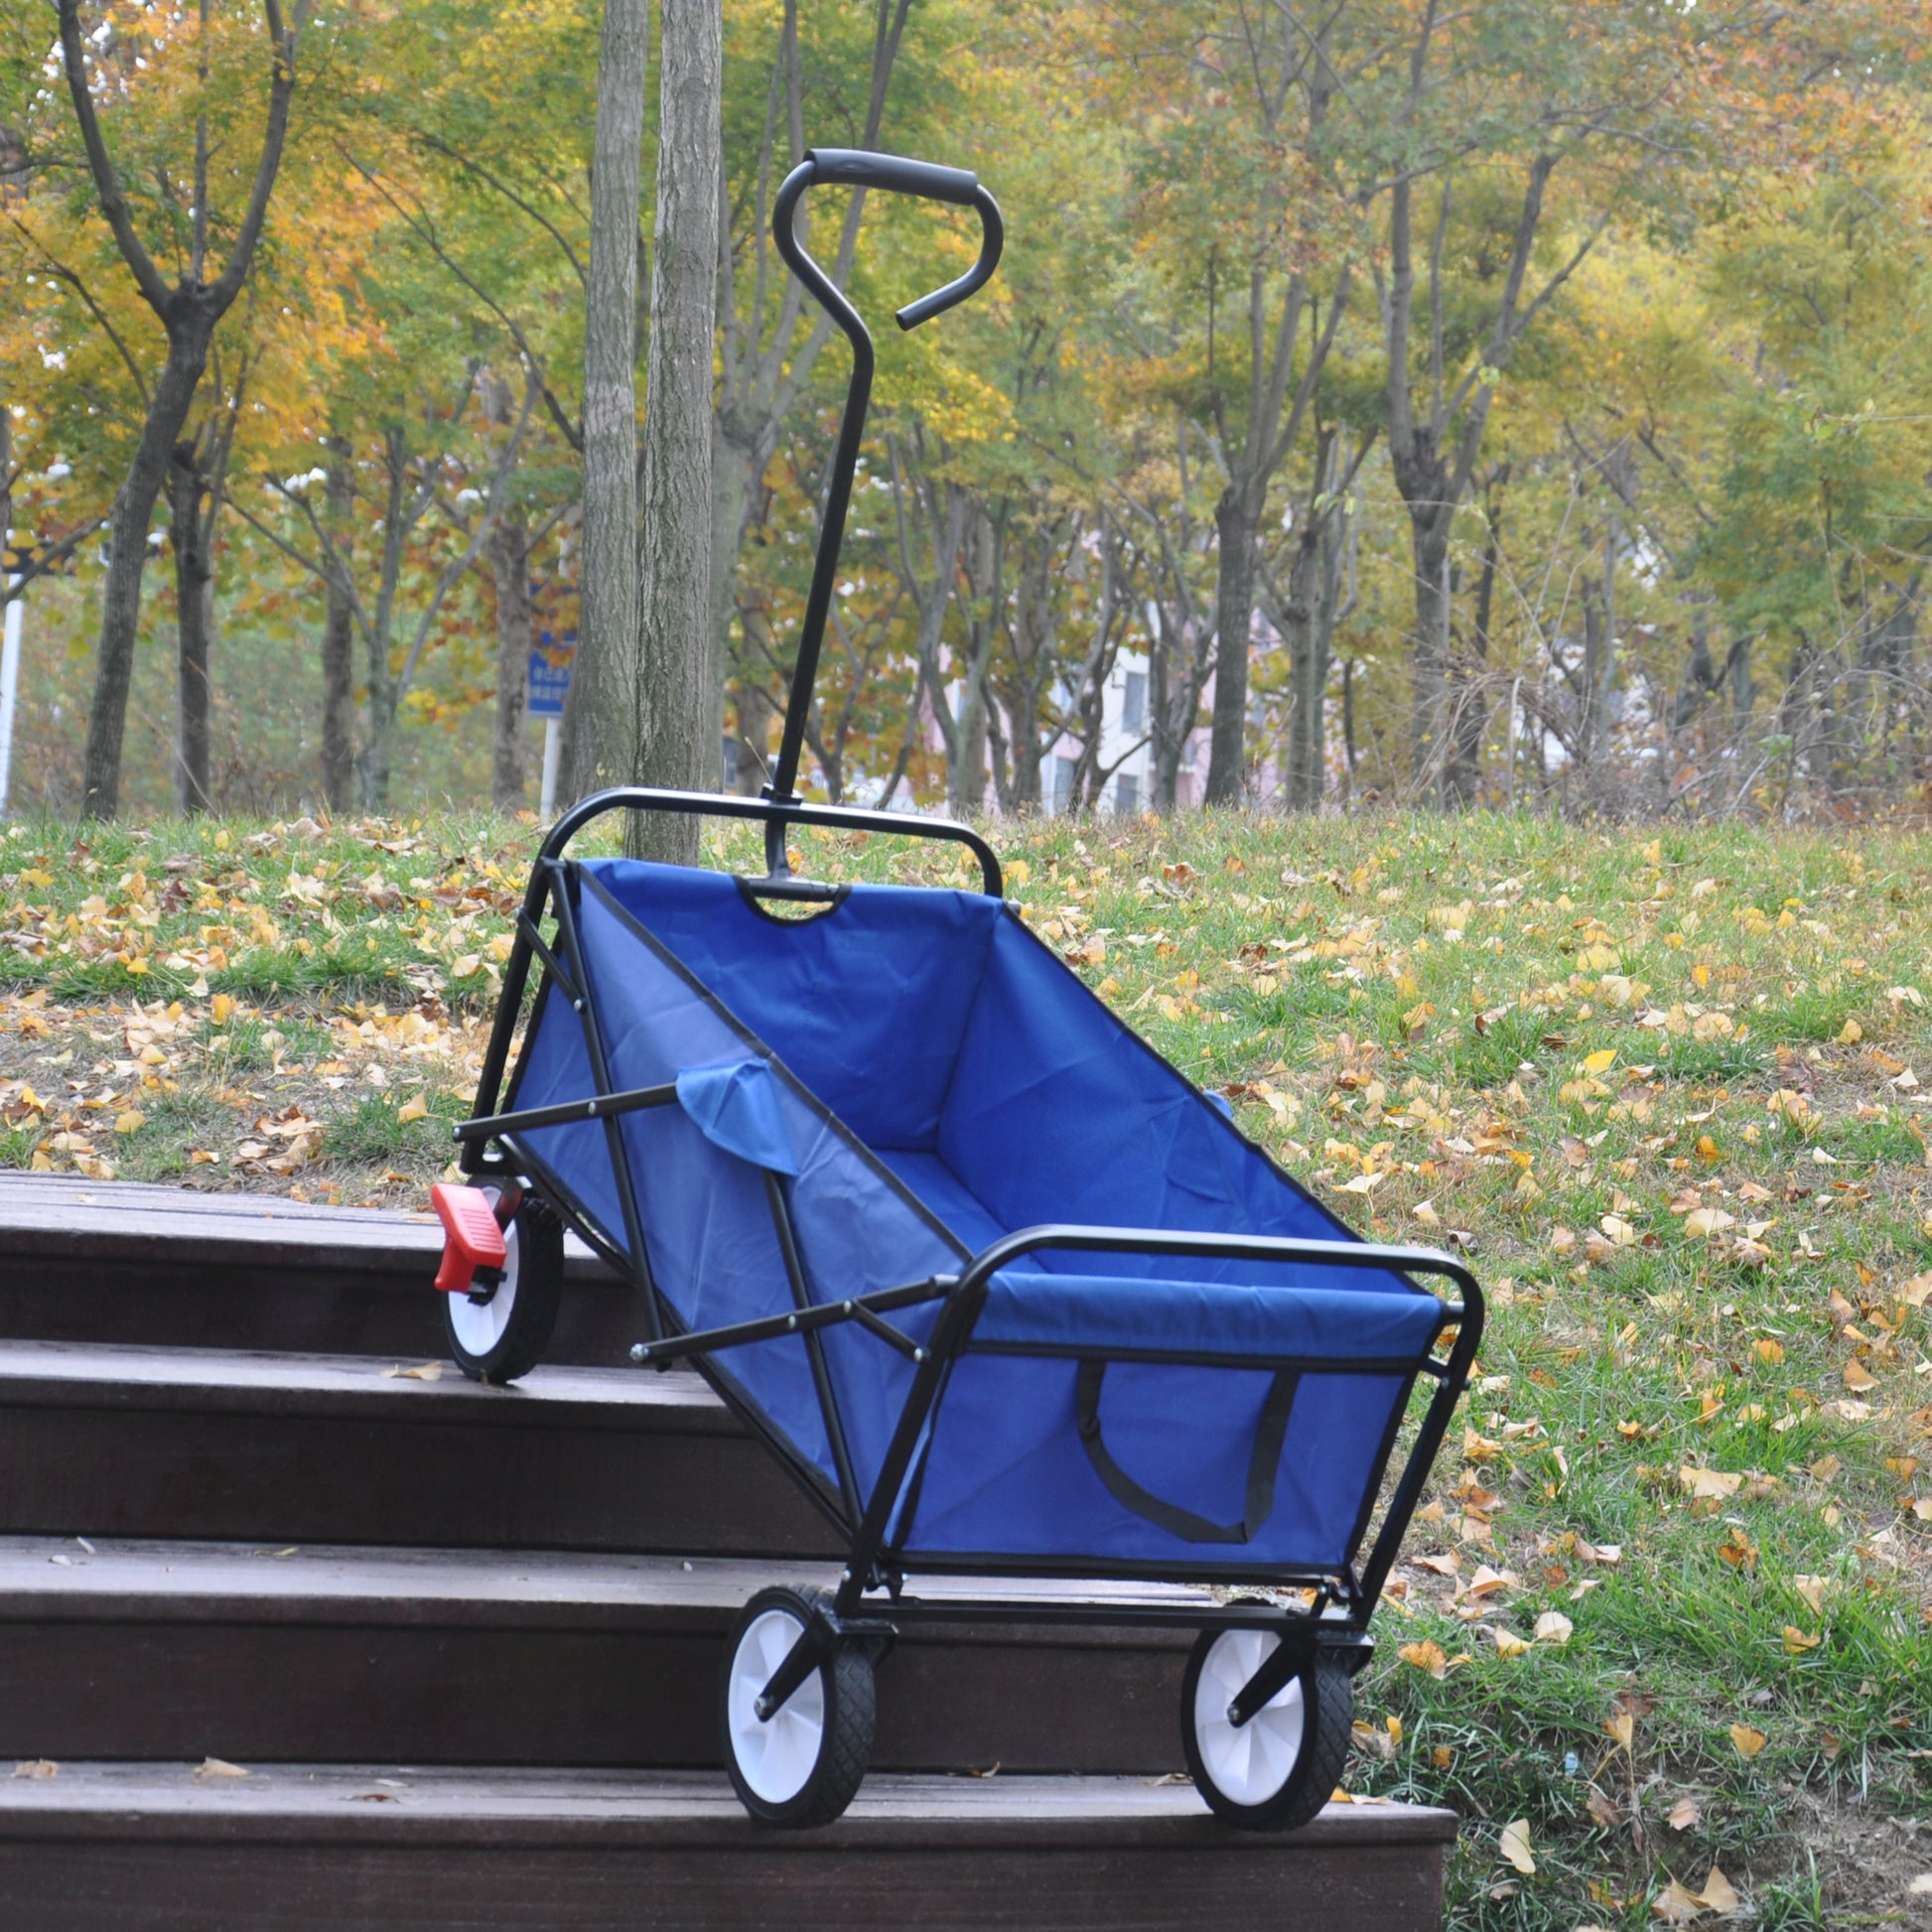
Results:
<point x="1429" y="548"/>
<point x="755" y="710"/>
<point x="1599" y="656"/>
<point x="607" y="648"/>
<point x="1234" y="606"/>
<point x="194" y="597"/>
<point x="339" y="643"/>
<point x="731" y="496"/>
<point x="1470" y="720"/>
<point x="1306" y="676"/>
<point x="985" y="560"/>
<point x="510" y="565"/>
<point x="376" y="762"/>
<point x="673" y="729"/>
<point x="189" y="310"/>
<point x="1743" y="694"/>
<point x="127" y="557"/>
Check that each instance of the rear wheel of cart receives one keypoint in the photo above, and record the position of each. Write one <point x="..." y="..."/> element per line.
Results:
<point x="1275" y="1772"/>
<point x="804" y="1764"/>
<point x="498" y="1333"/>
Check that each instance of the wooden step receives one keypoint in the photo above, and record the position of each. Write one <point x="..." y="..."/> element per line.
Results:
<point x="106" y="1440"/>
<point x="294" y="1848"/>
<point x="167" y="1267"/>
<point x="162" y="1650"/>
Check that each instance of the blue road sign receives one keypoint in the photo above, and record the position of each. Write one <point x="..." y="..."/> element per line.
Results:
<point x="550" y="666"/>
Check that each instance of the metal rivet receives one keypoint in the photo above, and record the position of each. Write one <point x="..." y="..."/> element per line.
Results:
<point x="640" y="1353"/>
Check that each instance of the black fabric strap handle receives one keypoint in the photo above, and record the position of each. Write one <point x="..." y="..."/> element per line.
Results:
<point x="1270" y="1433"/>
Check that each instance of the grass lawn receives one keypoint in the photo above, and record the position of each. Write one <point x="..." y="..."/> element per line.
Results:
<point x="1664" y="1633"/>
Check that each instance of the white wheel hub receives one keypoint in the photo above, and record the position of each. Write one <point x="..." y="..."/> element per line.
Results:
<point x="1249" y="1765"/>
<point x="776" y="1758"/>
<point x="480" y="1326"/>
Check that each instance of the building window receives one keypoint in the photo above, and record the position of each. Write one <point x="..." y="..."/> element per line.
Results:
<point x="1133" y="710"/>
<point x="1127" y="794"/>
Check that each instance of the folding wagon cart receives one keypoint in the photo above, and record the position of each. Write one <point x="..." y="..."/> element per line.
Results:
<point x="1008" y="1295"/>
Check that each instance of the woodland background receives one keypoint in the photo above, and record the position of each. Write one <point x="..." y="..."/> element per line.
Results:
<point x="1512" y="403"/>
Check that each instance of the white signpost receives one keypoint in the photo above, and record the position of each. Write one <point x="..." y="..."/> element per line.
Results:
<point x="550" y="663"/>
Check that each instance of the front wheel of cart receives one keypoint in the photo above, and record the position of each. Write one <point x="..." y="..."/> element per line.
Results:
<point x="802" y="1766"/>
<point x="1275" y="1772"/>
<point x="497" y="1334"/>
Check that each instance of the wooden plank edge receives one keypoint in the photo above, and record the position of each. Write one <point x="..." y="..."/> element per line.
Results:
<point x="288" y="1804"/>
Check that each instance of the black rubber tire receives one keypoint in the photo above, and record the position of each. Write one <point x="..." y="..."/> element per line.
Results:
<point x="537" y="1280"/>
<point x="851" y="1706"/>
<point x="1328" y="1715"/>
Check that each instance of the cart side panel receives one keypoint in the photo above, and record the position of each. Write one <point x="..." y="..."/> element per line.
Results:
<point x="1010" y="1474"/>
<point x="1057" y="1112"/>
<point x="864" y="1002"/>
<point x="713" y="1248"/>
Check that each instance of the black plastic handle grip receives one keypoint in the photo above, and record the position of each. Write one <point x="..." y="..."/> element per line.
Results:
<point x="856" y="168"/>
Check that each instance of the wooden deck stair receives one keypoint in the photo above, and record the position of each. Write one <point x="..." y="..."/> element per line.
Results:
<point x="465" y="1641"/>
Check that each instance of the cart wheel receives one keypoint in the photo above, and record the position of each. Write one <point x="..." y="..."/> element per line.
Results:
<point x="1277" y="1771"/>
<point x="802" y="1766"/>
<point x="503" y="1337"/>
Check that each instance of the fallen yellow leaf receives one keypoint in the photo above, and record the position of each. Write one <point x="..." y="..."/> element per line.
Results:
<point x="1750" y="1742"/>
<point x="1424" y="1656"/>
<point x="415" y="1108"/>
<point x="1676" y="1905"/>
<point x="1718" y="1893"/>
<point x="1710" y="1484"/>
<point x="1514" y="1845"/>
<point x="1600" y="1061"/>
<point x="130" y="1122"/>
<point x="1553" y="1628"/>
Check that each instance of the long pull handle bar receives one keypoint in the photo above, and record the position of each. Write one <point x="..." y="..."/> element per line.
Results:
<point x="854" y="167"/>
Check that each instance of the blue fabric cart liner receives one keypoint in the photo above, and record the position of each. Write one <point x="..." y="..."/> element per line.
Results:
<point x="926" y="1077"/>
